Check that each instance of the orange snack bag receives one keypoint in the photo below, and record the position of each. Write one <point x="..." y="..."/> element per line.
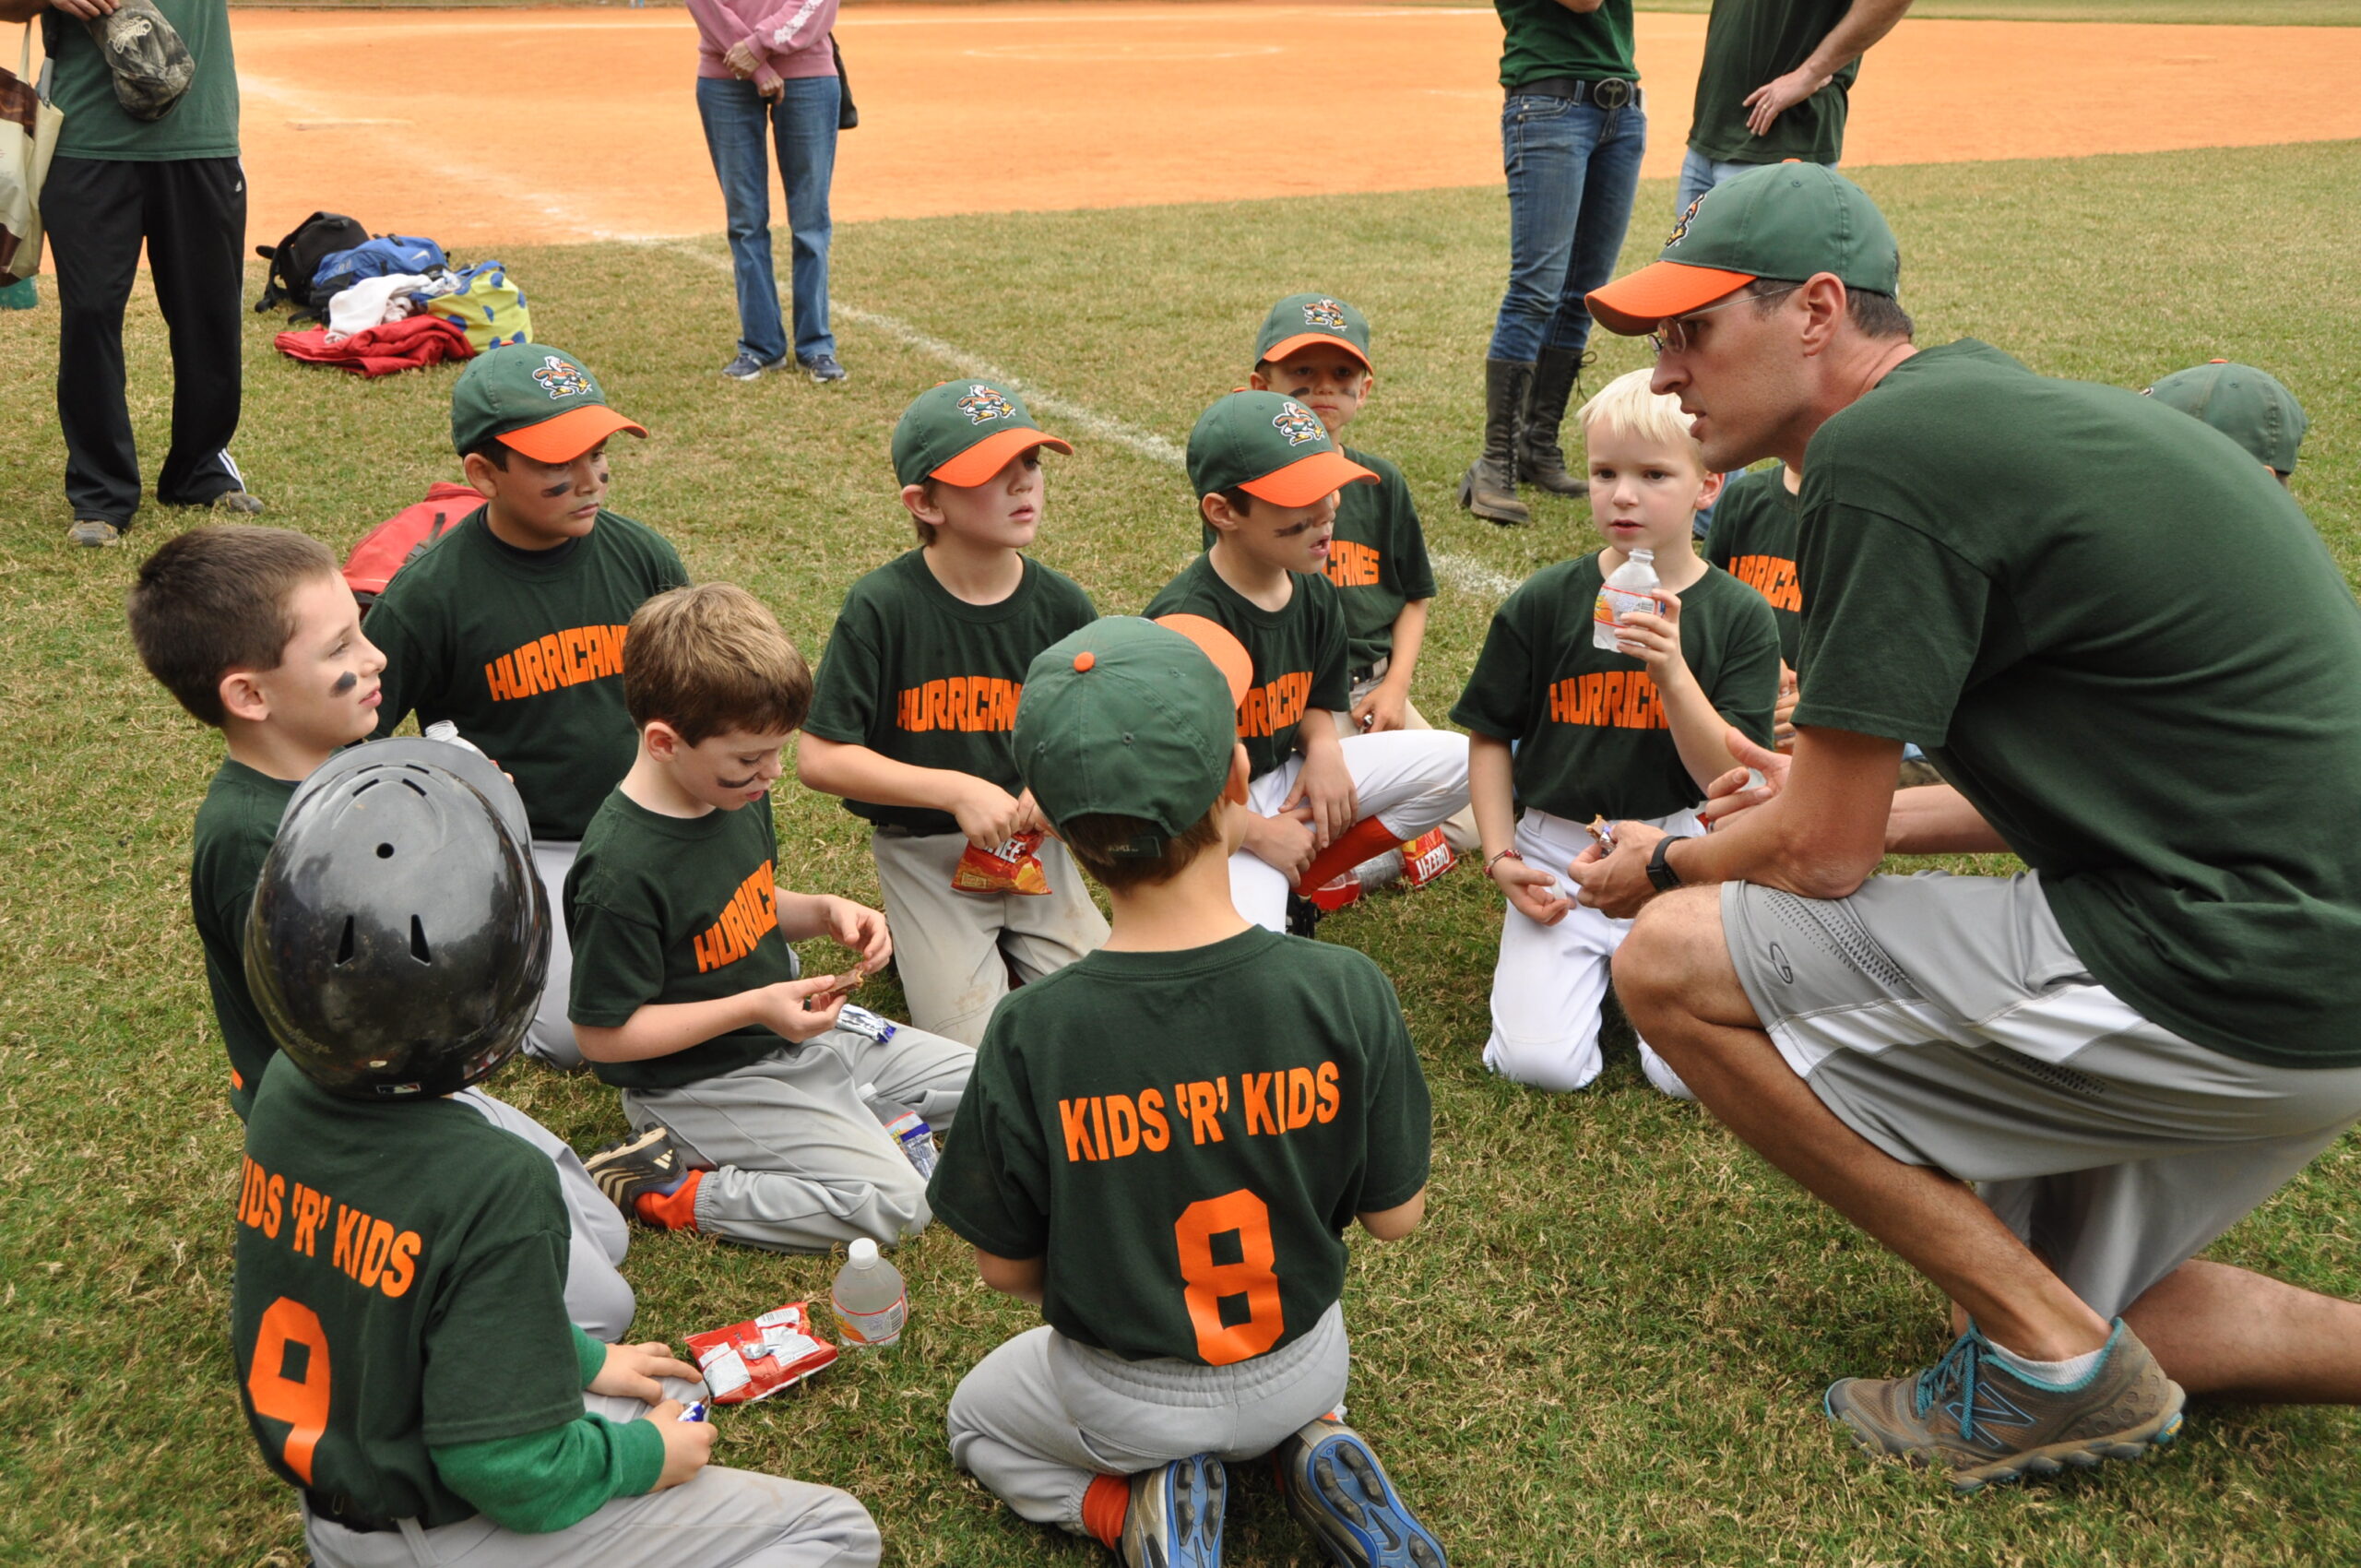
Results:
<point x="1011" y="868"/>
<point x="754" y="1359"/>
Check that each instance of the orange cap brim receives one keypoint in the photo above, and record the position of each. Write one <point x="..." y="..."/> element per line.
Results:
<point x="1286" y="346"/>
<point x="990" y="455"/>
<point x="1302" y="483"/>
<point x="566" y="437"/>
<point x="1633" y="304"/>
<point x="1230" y="655"/>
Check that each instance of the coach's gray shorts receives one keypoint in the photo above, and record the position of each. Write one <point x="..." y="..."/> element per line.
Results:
<point x="1946" y="1019"/>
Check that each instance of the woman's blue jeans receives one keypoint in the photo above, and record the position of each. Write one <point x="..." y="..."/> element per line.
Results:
<point x="1573" y="169"/>
<point x="803" y="124"/>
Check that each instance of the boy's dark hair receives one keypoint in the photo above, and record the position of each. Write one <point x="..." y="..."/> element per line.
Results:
<point x="1872" y="314"/>
<point x="711" y="659"/>
<point x="493" y="450"/>
<point x="215" y="600"/>
<point x="925" y="529"/>
<point x="1242" y="501"/>
<point x="1098" y="842"/>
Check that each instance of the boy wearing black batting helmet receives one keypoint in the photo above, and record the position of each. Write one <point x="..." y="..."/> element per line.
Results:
<point x="398" y="1316"/>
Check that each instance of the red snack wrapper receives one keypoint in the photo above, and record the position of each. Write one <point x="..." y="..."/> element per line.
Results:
<point x="754" y="1359"/>
<point x="1011" y="868"/>
<point x="1426" y="858"/>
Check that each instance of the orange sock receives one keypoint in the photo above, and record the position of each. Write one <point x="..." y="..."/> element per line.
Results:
<point x="675" y="1210"/>
<point x="1103" y="1507"/>
<point x="1366" y="839"/>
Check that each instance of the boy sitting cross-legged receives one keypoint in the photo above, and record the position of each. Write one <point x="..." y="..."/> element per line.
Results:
<point x="1266" y="474"/>
<point x="742" y="1080"/>
<point x="255" y="633"/>
<point x="917" y="698"/>
<point x="1164" y="1142"/>
<point x="1635" y="732"/>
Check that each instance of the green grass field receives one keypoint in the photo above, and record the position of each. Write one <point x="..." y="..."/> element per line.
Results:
<point x="1608" y="1342"/>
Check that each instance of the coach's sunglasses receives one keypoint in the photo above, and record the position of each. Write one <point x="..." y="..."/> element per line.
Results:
<point x="1671" y="336"/>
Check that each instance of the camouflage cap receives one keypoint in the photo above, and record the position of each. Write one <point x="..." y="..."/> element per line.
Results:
<point x="145" y="53"/>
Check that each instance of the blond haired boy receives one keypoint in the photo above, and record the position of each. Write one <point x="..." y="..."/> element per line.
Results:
<point x="1573" y="732"/>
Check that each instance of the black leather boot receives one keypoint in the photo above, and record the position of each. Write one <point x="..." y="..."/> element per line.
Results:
<point x="1540" y="461"/>
<point x="1488" y="488"/>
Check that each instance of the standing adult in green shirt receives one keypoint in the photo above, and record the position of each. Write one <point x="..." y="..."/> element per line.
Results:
<point x="2125" y="1048"/>
<point x="1571" y="133"/>
<point x="1775" y="84"/>
<point x="174" y="184"/>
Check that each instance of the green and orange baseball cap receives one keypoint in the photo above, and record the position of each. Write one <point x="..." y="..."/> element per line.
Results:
<point x="2248" y="405"/>
<point x="963" y="433"/>
<point x="1133" y="717"/>
<point x="1792" y="220"/>
<point x="534" y="399"/>
<point x="1272" y="447"/>
<point x="1305" y="321"/>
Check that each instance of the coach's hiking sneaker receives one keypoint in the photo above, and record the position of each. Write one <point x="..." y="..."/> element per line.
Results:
<point x="646" y="1164"/>
<point x="1174" y="1520"/>
<point x="1337" y="1490"/>
<point x="97" y="532"/>
<point x="1982" y="1420"/>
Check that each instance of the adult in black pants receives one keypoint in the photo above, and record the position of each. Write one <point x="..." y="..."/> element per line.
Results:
<point x="175" y="184"/>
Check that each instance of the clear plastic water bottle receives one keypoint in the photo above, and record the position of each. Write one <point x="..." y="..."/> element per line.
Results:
<point x="905" y="1126"/>
<point x="1630" y="587"/>
<point x="867" y="1299"/>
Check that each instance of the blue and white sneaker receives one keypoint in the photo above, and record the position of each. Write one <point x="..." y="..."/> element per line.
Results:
<point x="746" y="367"/>
<point x="1336" y="1488"/>
<point x="1174" y="1520"/>
<point x="823" y="368"/>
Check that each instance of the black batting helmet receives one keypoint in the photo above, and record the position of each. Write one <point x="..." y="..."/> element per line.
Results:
<point x="400" y="934"/>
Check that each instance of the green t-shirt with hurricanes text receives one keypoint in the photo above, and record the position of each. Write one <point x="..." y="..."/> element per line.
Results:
<point x="2122" y="640"/>
<point x="667" y="908"/>
<point x="203" y="123"/>
<point x="916" y="673"/>
<point x="524" y="651"/>
<point x="1190" y="1190"/>
<point x="1545" y="39"/>
<point x="1591" y="734"/>
<point x="1298" y="653"/>
<point x="1754" y="540"/>
<point x="1749" y="42"/>
<point x="234" y="829"/>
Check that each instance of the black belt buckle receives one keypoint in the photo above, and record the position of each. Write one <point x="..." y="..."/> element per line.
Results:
<point x="1611" y="94"/>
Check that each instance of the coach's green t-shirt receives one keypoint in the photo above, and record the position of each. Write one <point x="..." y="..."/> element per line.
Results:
<point x="203" y="123"/>
<point x="918" y="674"/>
<point x="1589" y="726"/>
<point x="1749" y="42"/>
<point x="1754" y="540"/>
<point x="1547" y="40"/>
<point x="1298" y="653"/>
<point x="1190" y="1190"/>
<point x="235" y="828"/>
<point x="667" y="908"/>
<point x="400" y="1286"/>
<point x="1377" y="559"/>
<point x="524" y="651"/>
<point x="2121" y="640"/>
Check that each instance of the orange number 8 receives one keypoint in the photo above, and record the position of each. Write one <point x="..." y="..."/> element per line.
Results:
<point x="1251" y="1277"/>
<point x="304" y="1406"/>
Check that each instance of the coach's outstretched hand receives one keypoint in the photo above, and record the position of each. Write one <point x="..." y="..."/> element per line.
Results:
<point x="1737" y="791"/>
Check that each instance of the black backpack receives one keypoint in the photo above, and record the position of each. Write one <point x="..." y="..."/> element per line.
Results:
<point x="296" y="258"/>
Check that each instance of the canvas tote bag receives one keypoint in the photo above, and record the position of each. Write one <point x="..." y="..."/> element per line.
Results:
<point x="29" y="127"/>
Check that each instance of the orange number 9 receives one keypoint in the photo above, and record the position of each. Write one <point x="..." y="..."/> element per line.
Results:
<point x="303" y="1405"/>
<point x="1251" y="1277"/>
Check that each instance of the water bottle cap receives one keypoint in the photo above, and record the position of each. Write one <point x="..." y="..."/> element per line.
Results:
<point x="863" y="1252"/>
<point x="1647" y="555"/>
<point x="867" y="1091"/>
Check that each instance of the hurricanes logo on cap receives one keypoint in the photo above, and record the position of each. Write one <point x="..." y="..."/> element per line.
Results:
<point x="983" y="403"/>
<point x="1680" y="228"/>
<point x="560" y="379"/>
<point x="1326" y="314"/>
<point x="1298" y="423"/>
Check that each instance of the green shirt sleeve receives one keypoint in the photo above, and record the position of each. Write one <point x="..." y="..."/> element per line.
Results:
<point x="1415" y="572"/>
<point x="1332" y="681"/>
<point x="589" y="1355"/>
<point x="845" y="698"/>
<point x="992" y="1187"/>
<point x="1893" y="624"/>
<point x="1745" y="685"/>
<point x="618" y="965"/>
<point x="547" y="1481"/>
<point x="407" y="671"/>
<point x="1401" y="1113"/>
<point x="1499" y="688"/>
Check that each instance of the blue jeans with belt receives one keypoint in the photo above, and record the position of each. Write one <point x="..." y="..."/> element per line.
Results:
<point x="1572" y="169"/>
<point x="803" y="124"/>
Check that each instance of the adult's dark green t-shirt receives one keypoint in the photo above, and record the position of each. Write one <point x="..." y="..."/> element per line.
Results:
<point x="1749" y="42"/>
<point x="1547" y="40"/>
<point x="1754" y="540"/>
<point x="1588" y="723"/>
<point x="234" y="829"/>
<point x="1377" y="558"/>
<point x="667" y="908"/>
<point x="919" y="674"/>
<point x="524" y="652"/>
<point x="203" y="123"/>
<point x="1298" y="653"/>
<point x="2124" y="642"/>
<point x="400" y="1286"/>
<point x="1189" y="1192"/>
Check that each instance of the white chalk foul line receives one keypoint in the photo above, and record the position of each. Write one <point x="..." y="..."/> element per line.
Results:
<point x="1451" y="570"/>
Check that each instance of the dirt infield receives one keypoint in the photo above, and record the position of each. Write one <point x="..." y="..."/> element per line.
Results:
<point x="550" y="125"/>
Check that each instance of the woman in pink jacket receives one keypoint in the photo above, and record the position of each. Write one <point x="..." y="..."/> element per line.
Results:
<point x="770" y="60"/>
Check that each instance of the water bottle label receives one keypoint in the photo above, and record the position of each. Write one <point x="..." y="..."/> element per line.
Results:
<point x="880" y="1327"/>
<point x="1612" y="604"/>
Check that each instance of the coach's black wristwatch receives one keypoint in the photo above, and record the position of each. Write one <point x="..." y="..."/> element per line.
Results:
<point x="1661" y="877"/>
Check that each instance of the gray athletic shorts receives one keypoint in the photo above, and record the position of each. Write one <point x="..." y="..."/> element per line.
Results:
<point x="1946" y="1019"/>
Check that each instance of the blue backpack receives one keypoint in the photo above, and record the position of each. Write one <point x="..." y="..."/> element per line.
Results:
<point x="383" y="257"/>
